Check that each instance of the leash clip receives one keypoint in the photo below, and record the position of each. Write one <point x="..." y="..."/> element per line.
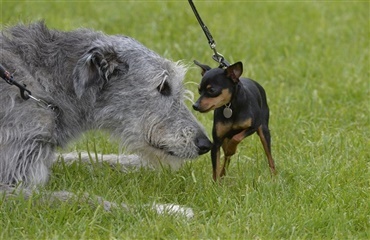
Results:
<point x="25" y="93"/>
<point x="4" y="74"/>
<point x="217" y="56"/>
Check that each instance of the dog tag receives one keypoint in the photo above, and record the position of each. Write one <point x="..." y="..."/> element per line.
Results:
<point x="228" y="112"/>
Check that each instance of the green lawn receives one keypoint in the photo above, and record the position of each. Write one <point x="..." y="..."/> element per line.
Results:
<point x="313" y="60"/>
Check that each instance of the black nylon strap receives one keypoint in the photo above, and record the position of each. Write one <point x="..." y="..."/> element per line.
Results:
<point x="216" y="56"/>
<point x="25" y="93"/>
<point x="9" y="79"/>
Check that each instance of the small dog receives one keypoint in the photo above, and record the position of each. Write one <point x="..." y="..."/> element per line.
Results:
<point x="240" y="109"/>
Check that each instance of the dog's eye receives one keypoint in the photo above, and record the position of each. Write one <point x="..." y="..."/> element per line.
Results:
<point x="164" y="88"/>
<point x="211" y="90"/>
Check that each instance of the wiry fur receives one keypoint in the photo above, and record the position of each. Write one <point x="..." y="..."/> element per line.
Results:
<point x="97" y="82"/>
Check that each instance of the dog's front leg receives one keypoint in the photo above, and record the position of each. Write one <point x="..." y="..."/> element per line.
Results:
<point x="124" y="161"/>
<point x="215" y="157"/>
<point x="229" y="147"/>
<point x="26" y="163"/>
<point x="227" y="156"/>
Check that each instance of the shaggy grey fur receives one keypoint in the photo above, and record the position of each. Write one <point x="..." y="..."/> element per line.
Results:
<point x="97" y="81"/>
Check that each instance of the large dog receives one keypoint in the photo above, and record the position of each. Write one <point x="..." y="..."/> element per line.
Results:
<point x="93" y="81"/>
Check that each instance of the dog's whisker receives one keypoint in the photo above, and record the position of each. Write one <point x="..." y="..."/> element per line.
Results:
<point x="189" y="95"/>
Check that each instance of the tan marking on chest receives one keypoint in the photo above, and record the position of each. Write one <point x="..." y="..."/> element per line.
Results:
<point x="222" y="129"/>
<point x="243" y="125"/>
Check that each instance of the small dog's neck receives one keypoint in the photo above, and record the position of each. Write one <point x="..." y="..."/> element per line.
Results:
<point x="234" y="94"/>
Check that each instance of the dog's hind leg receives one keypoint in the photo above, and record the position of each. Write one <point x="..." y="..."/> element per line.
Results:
<point x="60" y="196"/>
<point x="92" y="200"/>
<point x="264" y="134"/>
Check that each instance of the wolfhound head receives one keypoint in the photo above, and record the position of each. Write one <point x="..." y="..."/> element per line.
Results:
<point x="139" y="97"/>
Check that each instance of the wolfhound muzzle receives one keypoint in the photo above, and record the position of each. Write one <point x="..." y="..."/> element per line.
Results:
<point x="96" y="81"/>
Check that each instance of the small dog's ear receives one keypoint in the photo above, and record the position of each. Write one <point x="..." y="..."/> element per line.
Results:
<point x="204" y="67"/>
<point x="93" y="69"/>
<point x="235" y="71"/>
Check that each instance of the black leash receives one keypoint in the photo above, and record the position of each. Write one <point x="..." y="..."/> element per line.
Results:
<point x="10" y="80"/>
<point x="25" y="93"/>
<point x="216" y="56"/>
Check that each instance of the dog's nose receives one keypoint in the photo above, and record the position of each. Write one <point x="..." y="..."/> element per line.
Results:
<point x="203" y="144"/>
<point x="196" y="106"/>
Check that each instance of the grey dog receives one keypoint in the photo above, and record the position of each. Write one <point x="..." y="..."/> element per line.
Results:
<point x="94" y="81"/>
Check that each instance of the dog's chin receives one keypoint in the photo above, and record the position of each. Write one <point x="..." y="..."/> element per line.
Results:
<point x="158" y="157"/>
<point x="159" y="150"/>
<point x="208" y="109"/>
<point x="164" y="151"/>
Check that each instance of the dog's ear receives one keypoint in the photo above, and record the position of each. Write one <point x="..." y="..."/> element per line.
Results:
<point x="93" y="69"/>
<point x="204" y="67"/>
<point x="235" y="71"/>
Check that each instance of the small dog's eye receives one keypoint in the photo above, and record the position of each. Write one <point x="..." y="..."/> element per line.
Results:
<point x="211" y="90"/>
<point x="164" y="88"/>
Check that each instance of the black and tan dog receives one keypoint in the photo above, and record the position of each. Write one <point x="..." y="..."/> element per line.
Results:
<point x="240" y="109"/>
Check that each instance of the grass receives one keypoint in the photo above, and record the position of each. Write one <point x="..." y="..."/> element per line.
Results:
<point x="313" y="60"/>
